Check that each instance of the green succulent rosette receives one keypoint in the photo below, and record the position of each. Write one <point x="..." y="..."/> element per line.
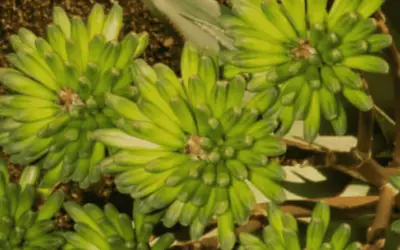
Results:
<point x="312" y="57"/>
<point x="56" y="91"/>
<point x="22" y="227"/>
<point x="108" y="229"/>
<point x="191" y="147"/>
<point x="283" y="233"/>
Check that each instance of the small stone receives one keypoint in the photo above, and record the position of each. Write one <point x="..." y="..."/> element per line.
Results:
<point x="168" y="42"/>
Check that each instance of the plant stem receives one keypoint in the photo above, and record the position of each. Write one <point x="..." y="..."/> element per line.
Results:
<point x="359" y="164"/>
<point x="396" y="75"/>
<point x="372" y="172"/>
<point x="394" y="60"/>
<point x="397" y="201"/>
<point x="364" y="134"/>
<point x="383" y="214"/>
<point x="352" y="163"/>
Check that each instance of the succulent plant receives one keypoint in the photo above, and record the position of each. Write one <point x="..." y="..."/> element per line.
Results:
<point x="191" y="147"/>
<point x="108" y="229"/>
<point x="396" y="227"/>
<point x="395" y="181"/>
<point x="21" y="227"/>
<point x="392" y="240"/>
<point x="393" y="235"/>
<point x="282" y="232"/>
<point x="56" y="91"/>
<point x="310" y="57"/>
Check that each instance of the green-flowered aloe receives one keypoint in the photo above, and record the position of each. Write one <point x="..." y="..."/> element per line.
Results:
<point x="56" y="91"/>
<point x="21" y="227"/>
<point x="108" y="229"/>
<point x="312" y="57"/>
<point x="283" y="233"/>
<point x="191" y="147"/>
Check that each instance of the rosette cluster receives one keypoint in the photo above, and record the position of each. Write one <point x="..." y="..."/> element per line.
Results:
<point x="56" y="90"/>
<point x="20" y="226"/>
<point x="310" y="57"/>
<point x="190" y="147"/>
<point x="283" y="233"/>
<point x="108" y="229"/>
